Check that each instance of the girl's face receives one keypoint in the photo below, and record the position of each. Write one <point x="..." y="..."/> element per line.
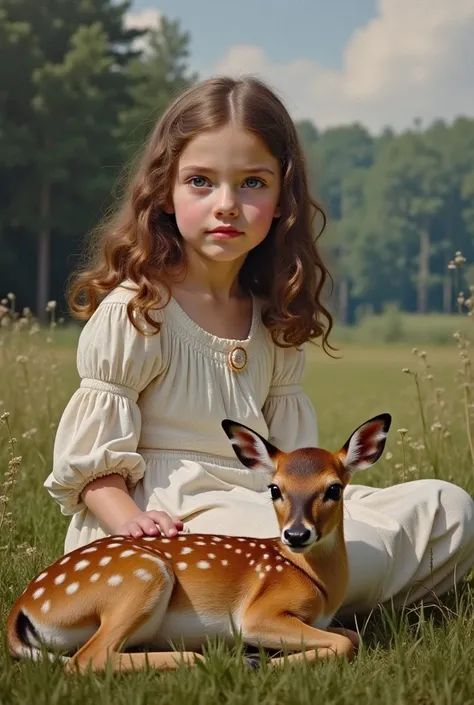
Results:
<point x="225" y="193"/>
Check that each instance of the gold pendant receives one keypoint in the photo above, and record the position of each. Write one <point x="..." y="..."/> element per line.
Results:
<point x="237" y="359"/>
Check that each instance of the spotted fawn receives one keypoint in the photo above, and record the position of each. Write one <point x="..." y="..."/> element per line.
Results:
<point x="122" y="592"/>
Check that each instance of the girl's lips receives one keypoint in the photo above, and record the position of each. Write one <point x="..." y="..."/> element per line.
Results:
<point x="225" y="233"/>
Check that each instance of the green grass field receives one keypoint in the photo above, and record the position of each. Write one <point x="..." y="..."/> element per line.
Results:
<point x="415" y="656"/>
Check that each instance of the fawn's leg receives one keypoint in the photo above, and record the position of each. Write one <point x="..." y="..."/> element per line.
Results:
<point x="284" y="630"/>
<point x="349" y="633"/>
<point x="138" y="617"/>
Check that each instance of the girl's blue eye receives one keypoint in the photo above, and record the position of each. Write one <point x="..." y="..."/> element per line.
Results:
<point x="202" y="181"/>
<point x="253" y="182"/>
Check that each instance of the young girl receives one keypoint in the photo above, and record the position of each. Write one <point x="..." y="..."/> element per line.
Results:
<point x="203" y="290"/>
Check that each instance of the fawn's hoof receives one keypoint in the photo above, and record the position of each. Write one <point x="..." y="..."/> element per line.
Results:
<point x="252" y="661"/>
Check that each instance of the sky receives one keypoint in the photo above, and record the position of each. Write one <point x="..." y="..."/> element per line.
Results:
<point x="382" y="63"/>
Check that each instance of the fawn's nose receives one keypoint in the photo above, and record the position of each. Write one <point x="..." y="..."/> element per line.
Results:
<point x="297" y="536"/>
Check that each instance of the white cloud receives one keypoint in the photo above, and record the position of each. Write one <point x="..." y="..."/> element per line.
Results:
<point x="414" y="59"/>
<point x="145" y="19"/>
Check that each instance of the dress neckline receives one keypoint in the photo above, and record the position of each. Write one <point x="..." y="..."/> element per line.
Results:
<point x="209" y="339"/>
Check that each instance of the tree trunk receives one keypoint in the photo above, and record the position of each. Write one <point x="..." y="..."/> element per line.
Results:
<point x="447" y="294"/>
<point x="423" y="271"/>
<point x="343" y="301"/>
<point x="44" y="252"/>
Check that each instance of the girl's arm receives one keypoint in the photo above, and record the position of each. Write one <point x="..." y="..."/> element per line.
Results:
<point x="109" y="500"/>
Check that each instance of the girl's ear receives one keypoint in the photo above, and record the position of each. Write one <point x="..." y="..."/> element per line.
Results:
<point x="277" y="212"/>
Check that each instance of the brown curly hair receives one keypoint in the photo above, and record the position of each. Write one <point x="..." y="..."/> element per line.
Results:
<point x="140" y="242"/>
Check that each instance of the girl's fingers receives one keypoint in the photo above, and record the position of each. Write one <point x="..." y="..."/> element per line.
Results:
<point x="148" y="526"/>
<point x="178" y="523"/>
<point x="165" y="522"/>
<point x="135" y="529"/>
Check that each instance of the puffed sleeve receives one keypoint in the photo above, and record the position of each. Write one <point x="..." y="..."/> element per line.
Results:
<point x="289" y="414"/>
<point x="100" y="428"/>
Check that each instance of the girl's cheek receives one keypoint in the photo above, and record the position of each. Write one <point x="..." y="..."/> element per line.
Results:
<point x="260" y="213"/>
<point x="190" y="215"/>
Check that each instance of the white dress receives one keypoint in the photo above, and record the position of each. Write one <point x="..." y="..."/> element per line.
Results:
<point x="150" y="408"/>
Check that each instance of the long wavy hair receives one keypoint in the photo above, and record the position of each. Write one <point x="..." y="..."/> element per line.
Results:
<point x="140" y="242"/>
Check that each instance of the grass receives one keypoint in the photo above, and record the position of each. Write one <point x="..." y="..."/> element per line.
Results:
<point x="418" y="655"/>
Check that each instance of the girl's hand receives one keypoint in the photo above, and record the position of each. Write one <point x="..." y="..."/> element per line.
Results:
<point x="150" y="523"/>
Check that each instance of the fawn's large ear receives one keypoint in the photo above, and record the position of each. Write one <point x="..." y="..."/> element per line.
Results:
<point x="252" y="450"/>
<point x="366" y="444"/>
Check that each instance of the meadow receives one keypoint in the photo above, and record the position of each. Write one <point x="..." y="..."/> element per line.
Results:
<point x="421" y="654"/>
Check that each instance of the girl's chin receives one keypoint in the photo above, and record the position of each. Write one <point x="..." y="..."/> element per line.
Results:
<point x="218" y="253"/>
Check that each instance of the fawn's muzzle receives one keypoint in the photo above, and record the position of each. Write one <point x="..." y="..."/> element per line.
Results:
<point x="297" y="536"/>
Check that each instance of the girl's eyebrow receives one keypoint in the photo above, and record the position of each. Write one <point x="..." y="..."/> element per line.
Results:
<point x="246" y="170"/>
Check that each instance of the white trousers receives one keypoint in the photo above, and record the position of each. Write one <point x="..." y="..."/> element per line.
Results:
<point x="406" y="542"/>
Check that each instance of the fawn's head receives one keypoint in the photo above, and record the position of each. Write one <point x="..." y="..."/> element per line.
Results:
<point x="307" y="484"/>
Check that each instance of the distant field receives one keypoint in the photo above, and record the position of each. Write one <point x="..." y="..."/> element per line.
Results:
<point x="406" y="658"/>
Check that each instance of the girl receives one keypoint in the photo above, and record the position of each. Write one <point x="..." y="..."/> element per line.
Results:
<point x="203" y="290"/>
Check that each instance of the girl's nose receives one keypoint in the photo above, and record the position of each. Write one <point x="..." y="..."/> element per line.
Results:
<point x="226" y="203"/>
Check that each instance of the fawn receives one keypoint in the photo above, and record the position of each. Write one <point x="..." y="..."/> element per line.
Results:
<point x="121" y="592"/>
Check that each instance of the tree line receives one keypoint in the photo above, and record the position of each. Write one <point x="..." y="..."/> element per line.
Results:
<point x="79" y="92"/>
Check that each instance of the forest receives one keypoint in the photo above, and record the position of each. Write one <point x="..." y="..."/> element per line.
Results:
<point x="79" y="92"/>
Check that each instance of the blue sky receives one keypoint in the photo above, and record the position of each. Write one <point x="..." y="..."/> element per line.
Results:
<point x="286" y="29"/>
<point x="378" y="62"/>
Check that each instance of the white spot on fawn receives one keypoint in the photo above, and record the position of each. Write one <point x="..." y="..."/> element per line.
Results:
<point x="225" y="562"/>
<point x="72" y="588"/>
<point x="127" y="553"/>
<point x="149" y="538"/>
<point x="185" y="550"/>
<point x="279" y="568"/>
<point x="91" y="549"/>
<point x="238" y="550"/>
<point x="105" y="560"/>
<point x="143" y="574"/>
<point x="81" y="565"/>
<point x="37" y="593"/>
<point x="115" y="580"/>
<point x="203" y="565"/>
<point x="45" y="606"/>
<point x="181" y="566"/>
<point x="64" y="560"/>
<point x="165" y="540"/>
<point x="252" y="544"/>
<point x="268" y="567"/>
<point x="41" y="577"/>
<point x="113" y="545"/>
<point x="200" y="543"/>
<point x="60" y="579"/>
<point x="211" y="555"/>
<point x="216" y="538"/>
<point x="94" y="578"/>
<point x="227" y="545"/>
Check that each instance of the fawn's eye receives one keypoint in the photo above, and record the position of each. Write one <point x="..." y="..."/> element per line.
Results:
<point x="333" y="492"/>
<point x="275" y="492"/>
